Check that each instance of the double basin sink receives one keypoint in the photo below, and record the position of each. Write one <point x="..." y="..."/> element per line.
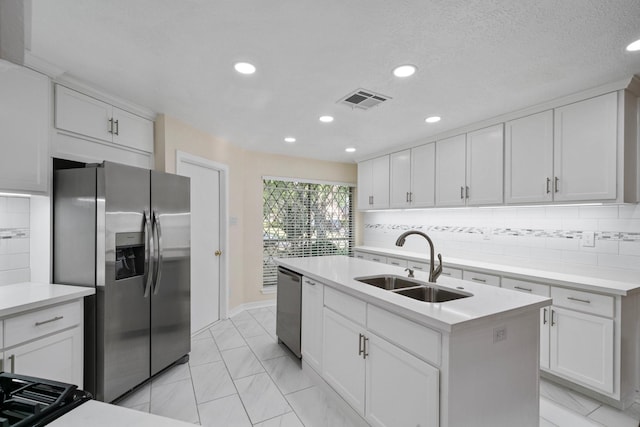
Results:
<point x="412" y="288"/>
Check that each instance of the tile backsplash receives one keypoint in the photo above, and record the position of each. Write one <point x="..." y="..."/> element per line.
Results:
<point x="14" y="239"/>
<point x="550" y="234"/>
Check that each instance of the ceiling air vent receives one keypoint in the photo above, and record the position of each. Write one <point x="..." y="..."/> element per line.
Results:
<point x="363" y="99"/>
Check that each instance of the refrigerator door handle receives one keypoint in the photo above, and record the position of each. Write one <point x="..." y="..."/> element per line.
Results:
<point x="148" y="243"/>
<point x="158" y="266"/>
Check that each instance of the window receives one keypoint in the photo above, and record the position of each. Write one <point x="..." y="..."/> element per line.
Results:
<point x="302" y="219"/>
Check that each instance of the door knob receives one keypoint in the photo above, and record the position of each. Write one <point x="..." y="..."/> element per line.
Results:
<point x="218" y="252"/>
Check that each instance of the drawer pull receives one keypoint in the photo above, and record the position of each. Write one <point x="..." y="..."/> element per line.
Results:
<point x="311" y="283"/>
<point x="395" y="263"/>
<point x="586" y="301"/>
<point x="444" y="273"/>
<point x="417" y="267"/>
<point x="50" y="320"/>
<point x="522" y="289"/>
<point x="475" y="279"/>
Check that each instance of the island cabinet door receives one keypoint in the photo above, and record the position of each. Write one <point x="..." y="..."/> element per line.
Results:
<point x="582" y="348"/>
<point x="342" y="359"/>
<point x="311" y="336"/>
<point x="402" y="390"/>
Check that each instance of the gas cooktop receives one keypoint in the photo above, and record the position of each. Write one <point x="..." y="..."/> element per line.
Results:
<point x="29" y="401"/>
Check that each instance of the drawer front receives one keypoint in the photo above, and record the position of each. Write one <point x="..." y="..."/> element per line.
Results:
<point x="456" y="273"/>
<point x="601" y="305"/>
<point x="398" y="262"/>
<point x="377" y="258"/>
<point x="35" y="324"/>
<point x="419" y="266"/>
<point x="485" y="279"/>
<point x="526" y="287"/>
<point x="345" y="305"/>
<point x="423" y="342"/>
<point x="359" y="255"/>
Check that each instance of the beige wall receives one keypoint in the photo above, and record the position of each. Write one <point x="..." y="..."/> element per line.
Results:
<point x="246" y="169"/>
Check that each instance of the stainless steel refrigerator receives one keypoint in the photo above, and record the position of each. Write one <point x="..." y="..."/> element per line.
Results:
<point x="126" y="232"/>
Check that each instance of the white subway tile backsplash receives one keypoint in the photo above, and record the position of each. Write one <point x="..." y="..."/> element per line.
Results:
<point x="598" y="212"/>
<point x="603" y="246"/>
<point x="628" y="225"/>
<point x="575" y="257"/>
<point x="580" y="224"/>
<point x="14" y="261"/>
<point x="629" y="211"/>
<point x="630" y="248"/>
<point x="563" y="211"/>
<point x="18" y="205"/>
<point x="626" y="262"/>
<point x="14" y="276"/>
<point x="562" y="244"/>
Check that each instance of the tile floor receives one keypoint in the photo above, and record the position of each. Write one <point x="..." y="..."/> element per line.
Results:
<point x="238" y="375"/>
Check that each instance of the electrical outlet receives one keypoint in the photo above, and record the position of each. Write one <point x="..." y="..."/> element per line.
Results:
<point x="499" y="334"/>
<point x="588" y="239"/>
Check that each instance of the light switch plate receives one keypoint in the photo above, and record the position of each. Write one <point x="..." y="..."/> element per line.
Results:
<point x="588" y="239"/>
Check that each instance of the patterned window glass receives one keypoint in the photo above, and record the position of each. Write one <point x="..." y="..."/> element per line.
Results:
<point x="302" y="220"/>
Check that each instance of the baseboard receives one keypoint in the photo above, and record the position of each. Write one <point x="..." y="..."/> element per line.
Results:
<point x="249" y="306"/>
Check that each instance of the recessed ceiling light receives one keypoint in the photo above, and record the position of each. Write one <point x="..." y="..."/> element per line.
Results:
<point x="326" y="119"/>
<point x="244" y="68"/>
<point x="404" y="70"/>
<point x="634" y="47"/>
<point x="432" y="119"/>
<point x="289" y="139"/>
<point x="350" y="150"/>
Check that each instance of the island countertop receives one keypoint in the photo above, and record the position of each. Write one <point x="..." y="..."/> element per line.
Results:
<point x="19" y="297"/>
<point x="486" y="302"/>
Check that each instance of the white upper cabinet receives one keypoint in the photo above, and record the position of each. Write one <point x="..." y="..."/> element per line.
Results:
<point x="24" y="123"/>
<point x="586" y="139"/>
<point x="529" y="159"/>
<point x="413" y="177"/>
<point x="451" y="171"/>
<point x="485" y="160"/>
<point x="90" y="117"/>
<point x="373" y="183"/>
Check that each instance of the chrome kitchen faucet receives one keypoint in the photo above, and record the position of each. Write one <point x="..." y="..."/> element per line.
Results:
<point x="434" y="273"/>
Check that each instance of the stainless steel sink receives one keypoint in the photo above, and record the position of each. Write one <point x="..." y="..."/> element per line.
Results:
<point x="390" y="282"/>
<point x="431" y="294"/>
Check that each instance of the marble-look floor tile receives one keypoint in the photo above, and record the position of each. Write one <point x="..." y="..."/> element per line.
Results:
<point x="220" y="325"/>
<point x="228" y="338"/>
<point x="287" y="420"/>
<point x="547" y="423"/>
<point x="262" y="315"/>
<point x="287" y="374"/>
<point x="203" y="351"/>
<point x="249" y="327"/>
<point x="266" y="347"/>
<point x="573" y="400"/>
<point x="241" y="362"/>
<point x="211" y="381"/>
<point x="611" y="417"/>
<point x="203" y="335"/>
<point x="173" y="374"/>
<point x="316" y="408"/>
<point x="175" y="400"/>
<point x="227" y="412"/>
<point x="559" y="415"/>
<point x="137" y="398"/>
<point x="261" y="398"/>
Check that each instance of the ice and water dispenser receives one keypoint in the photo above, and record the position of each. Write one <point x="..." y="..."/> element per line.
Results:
<point x="129" y="255"/>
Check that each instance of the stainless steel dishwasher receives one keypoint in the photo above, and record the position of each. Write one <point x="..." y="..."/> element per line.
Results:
<point x="288" y="309"/>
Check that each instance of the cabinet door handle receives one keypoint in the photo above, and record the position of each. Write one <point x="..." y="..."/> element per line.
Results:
<point x="557" y="184"/>
<point x="553" y="318"/>
<point x="544" y="316"/>
<point x="371" y="200"/>
<point x="475" y="279"/>
<point x="117" y="132"/>
<point x="548" y="185"/>
<point x="360" y="346"/>
<point x="586" y="301"/>
<point x="462" y="192"/>
<point x="366" y="350"/>
<point x="50" y="320"/>
<point x="410" y="197"/>
<point x="522" y="289"/>
<point x="110" y="128"/>
<point x="467" y="190"/>
<point x="395" y="263"/>
<point x="311" y="283"/>
<point x="12" y="358"/>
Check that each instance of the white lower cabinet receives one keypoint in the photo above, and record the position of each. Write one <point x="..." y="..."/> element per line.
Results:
<point x="342" y="360"/>
<point x="402" y="390"/>
<point x="311" y="335"/>
<point x="46" y="343"/>
<point x="381" y="381"/>
<point x="582" y="348"/>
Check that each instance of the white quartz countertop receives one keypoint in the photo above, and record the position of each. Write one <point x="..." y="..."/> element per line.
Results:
<point x="19" y="297"/>
<point x="589" y="278"/>
<point x="100" y="414"/>
<point x="486" y="303"/>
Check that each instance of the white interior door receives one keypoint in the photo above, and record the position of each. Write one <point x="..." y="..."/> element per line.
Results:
<point x="206" y="244"/>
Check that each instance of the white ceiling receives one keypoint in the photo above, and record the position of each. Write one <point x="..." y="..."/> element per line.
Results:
<point x="476" y="59"/>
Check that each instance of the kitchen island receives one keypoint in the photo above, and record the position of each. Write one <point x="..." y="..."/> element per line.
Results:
<point x="401" y="361"/>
